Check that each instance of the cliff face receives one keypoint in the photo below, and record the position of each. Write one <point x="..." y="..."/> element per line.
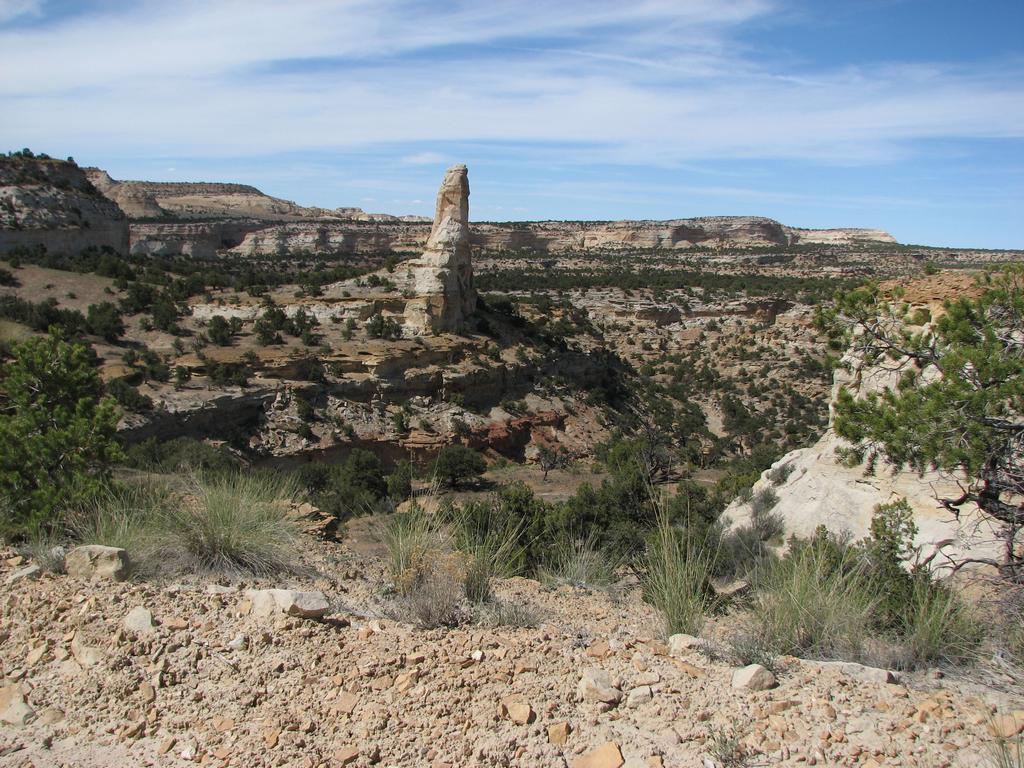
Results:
<point x="196" y="217"/>
<point x="819" y="488"/>
<point x="51" y="203"/>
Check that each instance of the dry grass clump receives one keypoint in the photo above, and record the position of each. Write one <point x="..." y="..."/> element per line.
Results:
<point x="230" y="524"/>
<point x="239" y="523"/>
<point x="677" y="578"/>
<point x="581" y="562"/>
<point x="810" y="605"/>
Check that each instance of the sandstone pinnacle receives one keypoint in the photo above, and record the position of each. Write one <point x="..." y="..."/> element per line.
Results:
<point x="442" y="278"/>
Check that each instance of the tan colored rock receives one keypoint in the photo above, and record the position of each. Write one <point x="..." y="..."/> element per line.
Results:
<point x="640" y="695"/>
<point x="23" y="574"/>
<point x="518" y="712"/>
<point x="558" y="733"/>
<point x="140" y="621"/>
<point x="345" y="755"/>
<point x="307" y="605"/>
<point x="753" y="677"/>
<point x="679" y="645"/>
<point x="596" y="686"/>
<point x="606" y="756"/>
<point x="14" y="710"/>
<point x="442" y="278"/>
<point x="86" y="655"/>
<point x="93" y="562"/>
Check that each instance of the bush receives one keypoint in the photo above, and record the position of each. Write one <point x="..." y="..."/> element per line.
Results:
<point x="457" y="464"/>
<point x="354" y="487"/>
<point x="413" y="540"/>
<point x="180" y="454"/>
<point x="816" y="602"/>
<point x="132" y="516"/>
<point x="400" y="482"/>
<point x="104" y="320"/>
<point x="128" y="397"/>
<point x="57" y="433"/>
<point x="491" y="543"/>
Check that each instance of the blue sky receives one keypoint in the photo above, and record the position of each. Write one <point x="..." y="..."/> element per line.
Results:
<point x="906" y="115"/>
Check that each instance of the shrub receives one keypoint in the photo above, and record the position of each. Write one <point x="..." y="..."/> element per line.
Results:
<point x="57" y="434"/>
<point x="104" y="320"/>
<point x="400" y="482"/>
<point x="238" y="523"/>
<point x="491" y="542"/>
<point x="457" y="464"/>
<point x="500" y="613"/>
<point x="413" y="540"/>
<point x="180" y="454"/>
<point x="435" y="600"/>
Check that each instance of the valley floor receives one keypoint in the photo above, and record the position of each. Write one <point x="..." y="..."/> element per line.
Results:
<point x="213" y="684"/>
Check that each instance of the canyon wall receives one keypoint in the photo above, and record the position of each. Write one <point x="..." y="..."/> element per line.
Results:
<point x="51" y="204"/>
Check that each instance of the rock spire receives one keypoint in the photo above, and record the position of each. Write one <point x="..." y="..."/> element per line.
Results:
<point x="442" y="278"/>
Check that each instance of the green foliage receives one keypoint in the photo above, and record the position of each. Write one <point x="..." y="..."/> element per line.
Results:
<point x="676" y="578"/>
<point x="400" y="482"/>
<point x="381" y="327"/>
<point x="128" y="397"/>
<point x="43" y="315"/>
<point x="354" y="487"/>
<point x="57" y="432"/>
<point x="219" y="331"/>
<point x="457" y="464"/>
<point x="104" y="320"/>
<point x="959" y="406"/>
<point x="180" y="454"/>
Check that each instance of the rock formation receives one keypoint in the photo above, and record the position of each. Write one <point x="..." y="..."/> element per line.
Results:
<point x="442" y="278"/>
<point x="50" y="203"/>
<point x="815" y="486"/>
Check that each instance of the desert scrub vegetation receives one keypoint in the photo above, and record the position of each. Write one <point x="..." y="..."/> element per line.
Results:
<point x="676" y="577"/>
<point x="828" y="598"/>
<point x="229" y="523"/>
<point x="580" y="561"/>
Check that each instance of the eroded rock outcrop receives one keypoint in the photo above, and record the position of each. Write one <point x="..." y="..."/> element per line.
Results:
<point x="51" y="204"/>
<point x="442" y="278"/>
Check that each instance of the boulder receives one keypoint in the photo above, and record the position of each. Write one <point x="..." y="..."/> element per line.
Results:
<point x="639" y="695"/>
<point x="93" y="562"/>
<point x="306" y="605"/>
<point x="679" y="645"/>
<point x="753" y="678"/>
<point x="14" y="710"/>
<point x="596" y="686"/>
<point x="558" y="733"/>
<point x="860" y="671"/>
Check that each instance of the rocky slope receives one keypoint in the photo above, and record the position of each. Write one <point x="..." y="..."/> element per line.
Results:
<point x="97" y="673"/>
<point x="51" y="203"/>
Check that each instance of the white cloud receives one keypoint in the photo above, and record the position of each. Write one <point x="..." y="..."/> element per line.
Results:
<point x="425" y="158"/>
<point x="649" y="82"/>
